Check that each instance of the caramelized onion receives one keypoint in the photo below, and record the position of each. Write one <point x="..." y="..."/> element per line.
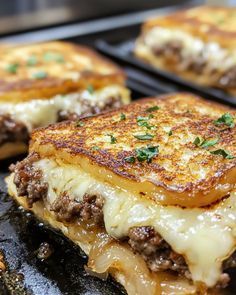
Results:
<point x="102" y="276"/>
<point x="108" y="255"/>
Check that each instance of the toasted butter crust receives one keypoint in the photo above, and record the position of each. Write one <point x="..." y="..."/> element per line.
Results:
<point x="181" y="174"/>
<point x="68" y="68"/>
<point x="210" y="23"/>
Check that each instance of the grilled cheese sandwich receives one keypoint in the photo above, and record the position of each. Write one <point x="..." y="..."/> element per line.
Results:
<point x="49" y="82"/>
<point x="155" y="180"/>
<point x="197" y="44"/>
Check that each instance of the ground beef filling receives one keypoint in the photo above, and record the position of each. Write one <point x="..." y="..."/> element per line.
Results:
<point x="12" y="130"/>
<point x="111" y="102"/>
<point x="172" y="51"/>
<point x="90" y="208"/>
<point x="155" y="251"/>
<point x="28" y="180"/>
<point x="29" y="184"/>
<point x="160" y="257"/>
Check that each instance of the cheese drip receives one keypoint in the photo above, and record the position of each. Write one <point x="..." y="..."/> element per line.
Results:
<point x="42" y="112"/>
<point x="204" y="236"/>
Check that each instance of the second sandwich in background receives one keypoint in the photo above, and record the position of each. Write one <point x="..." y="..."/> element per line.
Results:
<point x="49" y="82"/>
<point x="197" y="44"/>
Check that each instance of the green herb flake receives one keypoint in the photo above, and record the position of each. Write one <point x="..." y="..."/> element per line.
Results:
<point x="147" y="154"/>
<point x="53" y="56"/>
<point x="32" y="61"/>
<point x="130" y="159"/>
<point x="90" y="89"/>
<point x="40" y="75"/>
<point x="143" y="122"/>
<point x="170" y="132"/>
<point x="95" y="148"/>
<point x="152" y="109"/>
<point x="122" y="117"/>
<point x="208" y="143"/>
<point x="113" y="139"/>
<point x="205" y="143"/>
<point x="12" y="68"/>
<point x="79" y="123"/>
<point x="146" y="136"/>
<point x="223" y="153"/>
<point x="226" y="119"/>
<point x="197" y="141"/>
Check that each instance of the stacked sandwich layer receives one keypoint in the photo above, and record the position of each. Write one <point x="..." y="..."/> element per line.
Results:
<point x="152" y="183"/>
<point x="50" y="82"/>
<point x="197" y="44"/>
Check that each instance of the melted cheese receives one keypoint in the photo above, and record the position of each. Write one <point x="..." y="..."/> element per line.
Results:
<point x="204" y="236"/>
<point x="42" y="112"/>
<point x="193" y="48"/>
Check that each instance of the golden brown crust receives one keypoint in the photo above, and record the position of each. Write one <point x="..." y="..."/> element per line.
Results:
<point x="182" y="173"/>
<point x="210" y="23"/>
<point x="68" y="68"/>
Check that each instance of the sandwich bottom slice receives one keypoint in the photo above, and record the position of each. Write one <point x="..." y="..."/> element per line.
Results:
<point x="18" y="119"/>
<point x="92" y="182"/>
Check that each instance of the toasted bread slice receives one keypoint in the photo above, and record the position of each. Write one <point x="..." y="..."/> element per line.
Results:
<point x="46" y="69"/>
<point x="49" y="82"/>
<point x="158" y="173"/>
<point x="197" y="44"/>
<point x="181" y="172"/>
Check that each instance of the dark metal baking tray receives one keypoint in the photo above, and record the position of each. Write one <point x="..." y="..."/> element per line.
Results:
<point x="123" y="52"/>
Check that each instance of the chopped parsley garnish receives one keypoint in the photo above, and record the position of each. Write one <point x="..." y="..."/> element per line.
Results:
<point x="226" y="119"/>
<point x="32" y="61"/>
<point x="90" y="89"/>
<point x="143" y="154"/>
<point x="40" y="75"/>
<point x="197" y="141"/>
<point x="96" y="148"/>
<point x="113" y="139"/>
<point x="12" y="68"/>
<point x="170" y="132"/>
<point x="130" y="159"/>
<point x="53" y="56"/>
<point x="223" y="153"/>
<point x="143" y="122"/>
<point x="146" y="154"/>
<point x="140" y="118"/>
<point x="146" y="136"/>
<point x="152" y="109"/>
<point x="79" y="123"/>
<point x="122" y="117"/>
<point x="205" y="143"/>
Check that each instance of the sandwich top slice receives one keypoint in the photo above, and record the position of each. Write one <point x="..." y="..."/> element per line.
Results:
<point x="198" y="44"/>
<point x="149" y="186"/>
<point x="49" y="82"/>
